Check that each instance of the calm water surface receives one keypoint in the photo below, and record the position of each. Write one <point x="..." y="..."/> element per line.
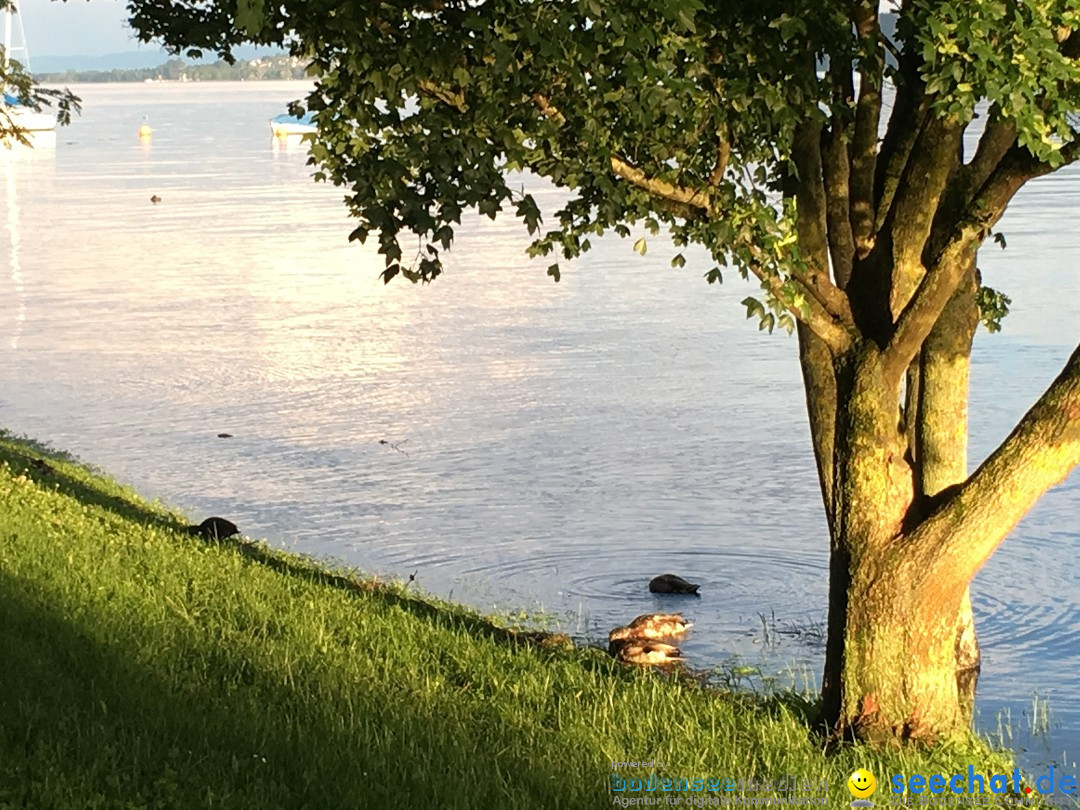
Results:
<point x="548" y="446"/>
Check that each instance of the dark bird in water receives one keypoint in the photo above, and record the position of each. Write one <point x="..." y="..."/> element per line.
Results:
<point x="651" y="626"/>
<point x="224" y="435"/>
<point x="669" y="583"/>
<point x="155" y="199"/>
<point x="214" y="528"/>
<point x="645" y="653"/>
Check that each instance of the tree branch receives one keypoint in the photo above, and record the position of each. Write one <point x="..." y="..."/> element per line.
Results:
<point x="940" y="281"/>
<point x="695" y="198"/>
<point x="836" y="170"/>
<point x="810" y="200"/>
<point x="867" y="115"/>
<point x="998" y="137"/>
<point x="820" y="321"/>
<point x="723" y="154"/>
<point x="905" y="123"/>
<point x="1044" y="447"/>
<point x="922" y="185"/>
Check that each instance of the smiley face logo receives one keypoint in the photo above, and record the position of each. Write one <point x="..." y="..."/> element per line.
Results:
<point x="862" y="784"/>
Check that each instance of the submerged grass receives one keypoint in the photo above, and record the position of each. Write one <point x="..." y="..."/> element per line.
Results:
<point x="144" y="667"/>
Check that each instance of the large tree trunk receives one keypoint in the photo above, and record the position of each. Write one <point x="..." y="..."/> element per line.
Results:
<point x="891" y="668"/>
<point x="901" y="563"/>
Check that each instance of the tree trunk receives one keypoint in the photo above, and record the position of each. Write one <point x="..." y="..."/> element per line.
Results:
<point x="899" y="668"/>
<point x="901" y="564"/>
<point x="941" y="436"/>
<point x="891" y="658"/>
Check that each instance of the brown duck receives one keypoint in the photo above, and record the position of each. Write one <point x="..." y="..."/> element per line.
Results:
<point x="670" y="583"/>
<point x="652" y="626"/>
<point x="645" y="653"/>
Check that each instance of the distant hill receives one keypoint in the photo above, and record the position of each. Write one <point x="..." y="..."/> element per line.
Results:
<point x="132" y="60"/>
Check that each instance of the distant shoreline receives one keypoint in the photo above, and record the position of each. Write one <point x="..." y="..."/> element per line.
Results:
<point x="267" y="68"/>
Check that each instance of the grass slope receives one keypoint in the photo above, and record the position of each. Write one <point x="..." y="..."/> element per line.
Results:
<point x="144" y="667"/>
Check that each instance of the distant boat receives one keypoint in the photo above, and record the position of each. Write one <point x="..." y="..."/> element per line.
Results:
<point x="285" y="125"/>
<point x="15" y="113"/>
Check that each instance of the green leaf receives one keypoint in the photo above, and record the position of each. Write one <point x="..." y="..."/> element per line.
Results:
<point x="678" y="260"/>
<point x="250" y="16"/>
<point x="753" y="307"/>
<point x="640" y="246"/>
<point x="993" y="307"/>
<point x="553" y="271"/>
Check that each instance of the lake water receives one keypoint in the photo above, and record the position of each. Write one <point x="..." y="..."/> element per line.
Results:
<point x="519" y="444"/>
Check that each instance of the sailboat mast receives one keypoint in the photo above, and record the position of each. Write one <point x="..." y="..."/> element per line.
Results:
<point x="7" y="37"/>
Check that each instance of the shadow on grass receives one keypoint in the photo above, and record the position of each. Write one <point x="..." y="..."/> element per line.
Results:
<point x="85" y="725"/>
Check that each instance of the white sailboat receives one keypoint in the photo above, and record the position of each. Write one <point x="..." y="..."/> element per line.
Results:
<point x="17" y="115"/>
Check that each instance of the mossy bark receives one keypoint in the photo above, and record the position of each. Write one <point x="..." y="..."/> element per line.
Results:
<point x="901" y="562"/>
<point x="891" y="668"/>
<point x="941" y="438"/>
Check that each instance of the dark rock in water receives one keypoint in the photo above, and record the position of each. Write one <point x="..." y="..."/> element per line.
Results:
<point x="670" y="583"/>
<point x="215" y="528"/>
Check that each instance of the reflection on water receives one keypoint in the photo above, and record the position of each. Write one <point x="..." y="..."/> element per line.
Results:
<point x="18" y="294"/>
<point x="39" y="146"/>
<point x="546" y="446"/>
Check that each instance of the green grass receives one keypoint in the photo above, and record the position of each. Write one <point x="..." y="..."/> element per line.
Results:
<point x="144" y="667"/>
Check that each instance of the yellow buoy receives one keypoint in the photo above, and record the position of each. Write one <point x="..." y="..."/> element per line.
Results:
<point x="145" y="131"/>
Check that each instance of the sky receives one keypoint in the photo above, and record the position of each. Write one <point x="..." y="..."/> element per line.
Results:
<point x="93" y="28"/>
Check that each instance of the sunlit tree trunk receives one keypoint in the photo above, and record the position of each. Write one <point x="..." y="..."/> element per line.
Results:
<point x="941" y="441"/>
<point x="901" y="562"/>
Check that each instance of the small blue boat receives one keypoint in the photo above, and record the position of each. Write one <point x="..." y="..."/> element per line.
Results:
<point x="285" y="125"/>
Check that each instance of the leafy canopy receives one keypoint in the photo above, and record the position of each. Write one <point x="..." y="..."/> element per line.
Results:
<point x="668" y="113"/>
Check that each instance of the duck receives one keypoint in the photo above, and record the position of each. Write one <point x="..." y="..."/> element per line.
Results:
<point x="652" y="626"/>
<point x="214" y="528"/>
<point x="155" y="199"/>
<point x="645" y="653"/>
<point x="670" y="583"/>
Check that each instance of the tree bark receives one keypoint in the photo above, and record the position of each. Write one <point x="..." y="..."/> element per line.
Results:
<point x="899" y="580"/>
<point x="941" y="437"/>
<point x="891" y="658"/>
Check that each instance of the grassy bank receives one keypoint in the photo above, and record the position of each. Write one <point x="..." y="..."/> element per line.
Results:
<point x="144" y="667"/>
